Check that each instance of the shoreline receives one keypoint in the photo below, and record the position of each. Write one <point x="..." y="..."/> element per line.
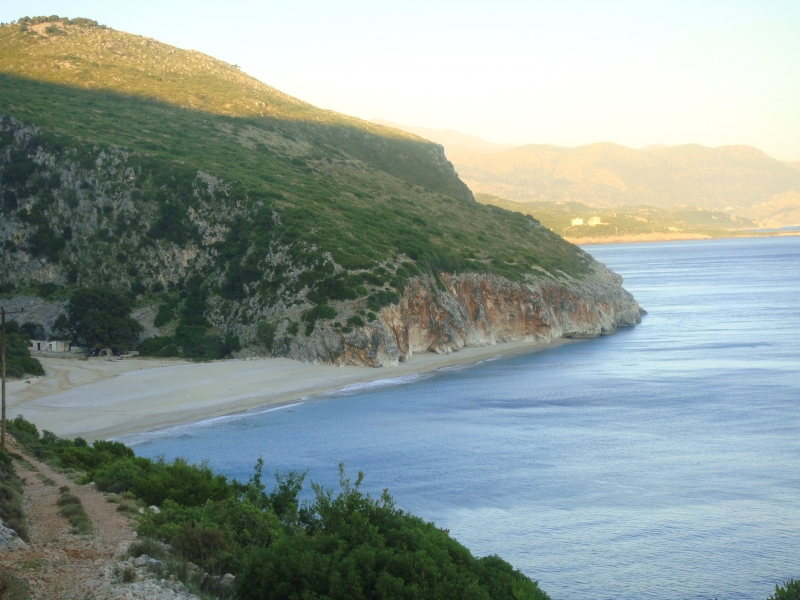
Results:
<point x="102" y="398"/>
<point x="645" y="238"/>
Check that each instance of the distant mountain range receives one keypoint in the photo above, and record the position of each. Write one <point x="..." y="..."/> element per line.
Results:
<point x="739" y="180"/>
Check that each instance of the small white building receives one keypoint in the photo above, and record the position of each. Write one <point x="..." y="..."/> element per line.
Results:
<point x="576" y="222"/>
<point x="50" y="346"/>
<point x="595" y="221"/>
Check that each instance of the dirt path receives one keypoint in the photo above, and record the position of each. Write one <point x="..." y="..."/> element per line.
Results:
<point x="56" y="564"/>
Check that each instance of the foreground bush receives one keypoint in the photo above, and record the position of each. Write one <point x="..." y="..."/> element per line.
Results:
<point x="341" y="545"/>
<point x="788" y="591"/>
<point x="349" y="545"/>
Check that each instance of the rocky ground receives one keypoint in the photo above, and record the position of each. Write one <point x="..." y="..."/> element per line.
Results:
<point x="58" y="565"/>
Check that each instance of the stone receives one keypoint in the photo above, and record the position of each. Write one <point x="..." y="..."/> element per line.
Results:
<point x="141" y="561"/>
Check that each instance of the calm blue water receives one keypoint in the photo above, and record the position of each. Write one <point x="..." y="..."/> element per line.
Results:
<point x="659" y="463"/>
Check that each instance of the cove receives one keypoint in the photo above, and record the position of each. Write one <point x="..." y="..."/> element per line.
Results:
<point x="660" y="462"/>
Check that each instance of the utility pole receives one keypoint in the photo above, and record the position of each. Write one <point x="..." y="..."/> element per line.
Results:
<point x="3" y="353"/>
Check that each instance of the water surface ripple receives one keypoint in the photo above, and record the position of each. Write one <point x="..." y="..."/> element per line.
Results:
<point x="659" y="463"/>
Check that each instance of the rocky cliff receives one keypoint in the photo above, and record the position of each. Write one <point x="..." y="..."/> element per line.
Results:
<point x="476" y="310"/>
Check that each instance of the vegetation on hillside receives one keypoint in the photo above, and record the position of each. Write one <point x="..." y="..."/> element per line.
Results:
<point x="341" y="545"/>
<point x="182" y="182"/>
<point x="625" y="220"/>
<point x="19" y="361"/>
<point x="11" y="486"/>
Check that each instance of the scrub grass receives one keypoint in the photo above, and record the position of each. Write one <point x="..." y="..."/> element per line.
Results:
<point x="73" y="510"/>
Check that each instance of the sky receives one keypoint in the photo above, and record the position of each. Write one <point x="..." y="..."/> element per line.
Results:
<point x="518" y="72"/>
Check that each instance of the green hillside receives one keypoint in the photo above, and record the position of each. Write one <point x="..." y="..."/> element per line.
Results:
<point x="626" y="221"/>
<point x="219" y="200"/>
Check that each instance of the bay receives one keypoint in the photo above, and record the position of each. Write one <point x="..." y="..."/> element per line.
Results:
<point x="661" y="462"/>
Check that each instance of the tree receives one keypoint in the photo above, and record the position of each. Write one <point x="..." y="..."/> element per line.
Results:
<point x="18" y="355"/>
<point x="266" y="334"/>
<point x="61" y="329"/>
<point x="100" y="317"/>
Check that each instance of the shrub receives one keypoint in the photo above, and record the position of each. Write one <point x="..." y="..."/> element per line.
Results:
<point x="149" y="546"/>
<point x="189" y="485"/>
<point x="118" y="476"/>
<point x="265" y="331"/>
<point x="166" y="314"/>
<point x="73" y="510"/>
<point x="127" y="505"/>
<point x="200" y="545"/>
<point x="11" y="487"/>
<point x="356" y="321"/>
<point x="321" y="311"/>
<point x="359" y="547"/>
<point x="18" y="355"/>
<point x="12" y="587"/>
<point x="790" y="590"/>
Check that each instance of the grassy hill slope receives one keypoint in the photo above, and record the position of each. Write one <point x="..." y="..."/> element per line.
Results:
<point x="219" y="200"/>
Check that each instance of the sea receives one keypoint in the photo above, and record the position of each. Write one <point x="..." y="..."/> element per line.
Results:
<point x="660" y="463"/>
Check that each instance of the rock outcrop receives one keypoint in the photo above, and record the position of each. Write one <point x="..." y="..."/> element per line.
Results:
<point x="477" y="310"/>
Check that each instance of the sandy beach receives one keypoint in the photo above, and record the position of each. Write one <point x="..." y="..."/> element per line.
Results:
<point x="104" y="398"/>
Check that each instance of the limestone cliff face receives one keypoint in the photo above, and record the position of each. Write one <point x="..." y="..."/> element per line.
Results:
<point x="477" y="310"/>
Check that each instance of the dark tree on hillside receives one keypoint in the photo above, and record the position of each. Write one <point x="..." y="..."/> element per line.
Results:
<point x="18" y="355"/>
<point x="100" y="317"/>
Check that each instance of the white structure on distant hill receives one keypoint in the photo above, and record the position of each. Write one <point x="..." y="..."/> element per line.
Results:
<point x="576" y="222"/>
<point x="51" y="346"/>
<point x="595" y="221"/>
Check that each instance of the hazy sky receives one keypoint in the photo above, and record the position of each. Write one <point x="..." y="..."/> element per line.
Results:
<point x="561" y="72"/>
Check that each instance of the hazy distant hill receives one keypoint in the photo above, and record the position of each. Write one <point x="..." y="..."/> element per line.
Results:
<point x="453" y="141"/>
<point x="740" y="179"/>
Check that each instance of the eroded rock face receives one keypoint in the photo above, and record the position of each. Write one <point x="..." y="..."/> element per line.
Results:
<point x="478" y="310"/>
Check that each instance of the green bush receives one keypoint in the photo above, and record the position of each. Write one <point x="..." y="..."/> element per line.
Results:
<point x="359" y="547"/>
<point x="321" y="311"/>
<point x="11" y="488"/>
<point x="166" y="314"/>
<point x="19" y="361"/>
<point x="148" y="546"/>
<point x="200" y="545"/>
<point x="118" y="476"/>
<point x="790" y="590"/>
<point x="265" y="331"/>
<point x="73" y="510"/>
<point x="355" y="321"/>
<point x="188" y="485"/>
<point x="23" y="431"/>
<point x="12" y="587"/>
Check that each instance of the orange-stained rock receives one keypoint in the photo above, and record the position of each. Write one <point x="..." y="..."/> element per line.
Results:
<point x="479" y="310"/>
